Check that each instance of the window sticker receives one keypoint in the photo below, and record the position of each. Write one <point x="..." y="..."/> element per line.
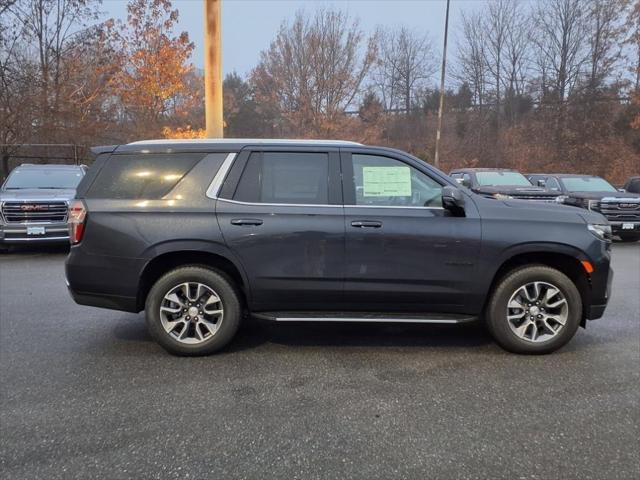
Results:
<point x="386" y="181"/>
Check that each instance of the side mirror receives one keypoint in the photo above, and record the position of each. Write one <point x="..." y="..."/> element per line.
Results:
<point x="542" y="183"/>
<point x="621" y="190"/>
<point x="453" y="200"/>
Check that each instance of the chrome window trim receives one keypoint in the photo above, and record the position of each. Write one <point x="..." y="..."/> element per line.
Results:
<point x="214" y="187"/>
<point x="323" y="205"/>
<point x="280" y="204"/>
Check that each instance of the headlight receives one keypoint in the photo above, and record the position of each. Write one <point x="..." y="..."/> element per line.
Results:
<point x="592" y="204"/>
<point x="603" y="232"/>
<point x="501" y="196"/>
<point x="561" y="198"/>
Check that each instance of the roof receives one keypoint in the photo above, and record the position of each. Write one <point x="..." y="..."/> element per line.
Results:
<point x="562" y="175"/>
<point x="221" y="144"/>
<point x="482" y="170"/>
<point x="248" y="141"/>
<point x="48" y="166"/>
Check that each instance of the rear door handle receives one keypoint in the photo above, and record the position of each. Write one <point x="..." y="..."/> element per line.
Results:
<point x="246" y="221"/>
<point x="366" y="224"/>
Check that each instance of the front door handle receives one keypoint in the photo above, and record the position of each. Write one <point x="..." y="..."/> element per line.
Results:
<point x="246" y="221"/>
<point x="366" y="224"/>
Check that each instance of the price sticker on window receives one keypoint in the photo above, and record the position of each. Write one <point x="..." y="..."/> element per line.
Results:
<point x="386" y="181"/>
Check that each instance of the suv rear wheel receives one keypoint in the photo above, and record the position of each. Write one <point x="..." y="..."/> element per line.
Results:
<point x="193" y="310"/>
<point x="534" y="309"/>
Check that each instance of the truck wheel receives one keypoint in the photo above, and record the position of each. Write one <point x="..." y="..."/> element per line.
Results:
<point x="629" y="238"/>
<point x="193" y="310"/>
<point x="534" y="310"/>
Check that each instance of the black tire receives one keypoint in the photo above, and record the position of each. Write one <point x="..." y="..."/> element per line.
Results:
<point x="213" y="279"/>
<point x="496" y="313"/>
<point x="629" y="238"/>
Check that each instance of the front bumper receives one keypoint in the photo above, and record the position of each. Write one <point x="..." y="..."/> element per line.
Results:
<point x="625" y="227"/>
<point x="22" y="233"/>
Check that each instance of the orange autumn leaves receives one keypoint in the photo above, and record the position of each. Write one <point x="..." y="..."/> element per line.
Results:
<point x="155" y="82"/>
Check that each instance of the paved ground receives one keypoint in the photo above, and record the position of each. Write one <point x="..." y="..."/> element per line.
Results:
<point x="86" y="394"/>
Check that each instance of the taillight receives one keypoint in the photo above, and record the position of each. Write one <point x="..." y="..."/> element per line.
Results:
<point x="77" y="216"/>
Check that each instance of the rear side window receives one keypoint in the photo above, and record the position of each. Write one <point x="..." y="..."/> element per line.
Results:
<point x="285" y="177"/>
<point x="141" y="176"/>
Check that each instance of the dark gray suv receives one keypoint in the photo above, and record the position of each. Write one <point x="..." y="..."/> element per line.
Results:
<point x="201" y="233"/>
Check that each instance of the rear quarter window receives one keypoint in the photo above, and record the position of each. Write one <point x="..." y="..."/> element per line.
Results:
<point x="147" y="176"/>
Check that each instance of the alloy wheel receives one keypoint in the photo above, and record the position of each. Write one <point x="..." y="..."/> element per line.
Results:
<point x="191" y="312"/>
<point x="537" y="311"/>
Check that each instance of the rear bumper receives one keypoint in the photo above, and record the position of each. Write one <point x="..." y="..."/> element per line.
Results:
<point x="103" y="281"/>
<point x="21" y="233"/>
<point x="112" y="302"/>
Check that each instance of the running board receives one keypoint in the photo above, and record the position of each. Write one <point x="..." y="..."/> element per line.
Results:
<point x="364" y="317"/>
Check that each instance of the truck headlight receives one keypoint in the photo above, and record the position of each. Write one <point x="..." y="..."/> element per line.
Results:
<point x="561" y="198"/>
<point x="592" y="204"/>
<point x="603" y="232"/>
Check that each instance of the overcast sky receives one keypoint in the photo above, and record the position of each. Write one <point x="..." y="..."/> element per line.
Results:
<point x="248" y="26"/>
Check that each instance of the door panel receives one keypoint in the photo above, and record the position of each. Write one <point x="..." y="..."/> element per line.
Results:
<point x="409" y="257"/>
<point x="286" y="225"/>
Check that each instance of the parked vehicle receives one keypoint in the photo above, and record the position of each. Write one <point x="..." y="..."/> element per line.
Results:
<point x="198" y="232"/>
<point x="501" y="183"/>
<point x="622" y="209"/>
<point x="632" y="185"/>
<point x="34" y="202"/>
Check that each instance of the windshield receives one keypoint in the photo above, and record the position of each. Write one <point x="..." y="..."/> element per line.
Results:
<point x="43" y="178"/>
<point x="502" y="178"/>
<point x="587" y="184"/>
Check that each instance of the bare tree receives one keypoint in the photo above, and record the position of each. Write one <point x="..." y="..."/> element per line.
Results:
<point x="49" y="28"/>
<point x="604" y="32"/>
<point x="406" y="61"/>
<point x="313" y="71"/>
<point x="471" y="57"/>
<point x="560" y="37"/>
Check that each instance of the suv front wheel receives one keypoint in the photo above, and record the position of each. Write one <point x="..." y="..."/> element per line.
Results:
<point x="193" y="310"/>
<point x="534" y="309"/>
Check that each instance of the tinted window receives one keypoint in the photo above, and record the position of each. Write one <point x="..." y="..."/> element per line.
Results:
<point x="502" y="178"/>
<point x="587" y="184"/>
<point x="293" y="177"/>
<point x="141" y="176"/>
<point x="385" y="181"/>
<point x="552" y="184"/>
<point x="634" y="185"/>
<point x="44" y="178"/>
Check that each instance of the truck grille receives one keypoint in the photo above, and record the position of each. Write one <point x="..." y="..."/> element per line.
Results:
<point x="540" y="198"/>
<point x="620" y="211"/>
<point x="34" y="212"/>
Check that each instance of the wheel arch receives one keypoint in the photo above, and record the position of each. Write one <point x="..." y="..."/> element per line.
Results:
<point x="208" y="255"/>
<point x="565" y="258"/>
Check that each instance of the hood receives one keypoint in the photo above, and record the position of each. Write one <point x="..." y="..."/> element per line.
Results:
<point x="37" y="194"/>
<point x="601" y="195"/>
<point x="556" y="211"/>
<point x="514" y="190"/>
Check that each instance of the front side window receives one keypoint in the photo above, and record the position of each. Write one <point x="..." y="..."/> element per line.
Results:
<point x="384" y="181"/>
<point x="285" y="178"/>
<point x="44" y="178"/>
<point x="502" y="179"/>
<point x="587" y="184"/>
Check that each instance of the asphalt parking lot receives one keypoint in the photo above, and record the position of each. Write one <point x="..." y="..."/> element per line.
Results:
<point x="85" y="393"/>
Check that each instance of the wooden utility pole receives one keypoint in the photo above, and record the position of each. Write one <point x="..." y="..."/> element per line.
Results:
<point x="213" y="69"/>
<point x="436" y="158"/>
